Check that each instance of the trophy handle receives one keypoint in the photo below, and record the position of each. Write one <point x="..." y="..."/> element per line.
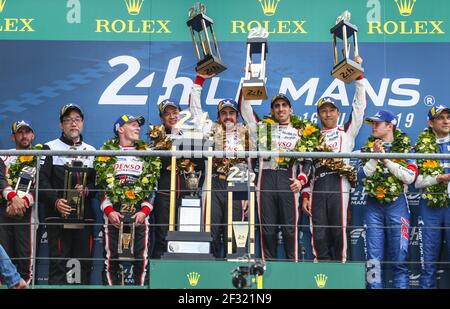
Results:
<point x="119" y="244"/>
<point x="81" y="209"/>
<point x="355" y="45"/>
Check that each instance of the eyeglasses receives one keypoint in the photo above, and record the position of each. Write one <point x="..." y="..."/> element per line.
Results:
<point x="77" y="120"/>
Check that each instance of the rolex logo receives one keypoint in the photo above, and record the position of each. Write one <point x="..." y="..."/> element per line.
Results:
<point x="269" y="6"/>
<point x="2" y="5"/>
<point x="193" y="278"/>
<point x="321" y="280"/>
<point x="405" y="7"/>
<point x="134" y="6"/>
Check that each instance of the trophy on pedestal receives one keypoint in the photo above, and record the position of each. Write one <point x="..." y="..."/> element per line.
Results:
<point x="125" y="248"/>
<point x="347" y="69"/>
<point x="200" y="23"/>
<point x="240" y="186"/>
<point x="23" y="185"/>
<point x="190" y="240"/>
<point x="75" y="174"/>
<point x="254" y="85"/>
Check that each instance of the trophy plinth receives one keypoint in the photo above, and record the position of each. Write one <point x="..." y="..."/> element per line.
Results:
<point x="210" y="65"/>
<point x="346" y="69"/>
<point x="188" y="241"/>
<point x="240" y="232"/>
<point x="125" y="246"/>
<point x="254" y="84"/>
<point x="201" y="25"/>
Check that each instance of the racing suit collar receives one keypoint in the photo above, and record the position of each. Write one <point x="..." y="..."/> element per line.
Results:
<point x="68" y="141"/>
<point x="443" y="140"/>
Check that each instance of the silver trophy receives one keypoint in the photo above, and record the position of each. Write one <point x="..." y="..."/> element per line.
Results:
<point x="23" y="186"/>
<point x="25" y="181"/>
<point x="254" y="85"/>
<point x="192" y="179"/>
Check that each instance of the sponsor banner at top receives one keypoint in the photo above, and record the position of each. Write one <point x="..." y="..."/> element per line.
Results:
<point x="165" y="20"/>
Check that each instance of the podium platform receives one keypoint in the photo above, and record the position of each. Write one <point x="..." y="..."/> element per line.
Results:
<point x="188" y="274"/>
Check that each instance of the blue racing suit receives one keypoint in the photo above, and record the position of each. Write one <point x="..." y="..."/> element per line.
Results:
<point x="430" y="222"/>
<point x="390" y="222"/>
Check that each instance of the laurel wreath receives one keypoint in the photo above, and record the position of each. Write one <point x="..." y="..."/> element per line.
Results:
<point x="309" y="132"/>
<point x="14" y="169"/>
<point x="436" y="195"/>
<point x="219" y="134"/>
<point x="383" y="185"/>
<point x="118" y="193"/>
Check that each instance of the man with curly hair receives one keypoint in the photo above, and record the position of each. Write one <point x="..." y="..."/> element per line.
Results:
<point x="229" y="135"/>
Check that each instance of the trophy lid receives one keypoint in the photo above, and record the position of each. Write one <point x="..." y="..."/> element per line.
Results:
<point x="196" y="22"/>
<point x="196" y="15"/>
<point x="257" y="35"/>
<point x="337" y="29"/>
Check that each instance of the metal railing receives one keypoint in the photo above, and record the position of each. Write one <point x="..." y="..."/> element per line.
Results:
<point x="204" y="153"/>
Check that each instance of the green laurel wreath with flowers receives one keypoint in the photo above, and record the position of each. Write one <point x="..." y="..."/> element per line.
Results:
<point x="436" y="195"/>
<point x="120" y="194"/>
<point x="383" y="185"/>
<point x="14" y="169"/>
<point x="310" y="136"/>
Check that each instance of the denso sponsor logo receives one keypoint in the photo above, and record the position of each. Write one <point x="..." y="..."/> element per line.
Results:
<point x="123" y="167"/>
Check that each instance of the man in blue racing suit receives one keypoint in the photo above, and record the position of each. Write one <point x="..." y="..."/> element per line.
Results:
<point x="387" y="213"/>
<point x="434" y="215"/>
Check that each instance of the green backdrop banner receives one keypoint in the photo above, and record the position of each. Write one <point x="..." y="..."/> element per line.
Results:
<point x="278" y="275"/>
<point x="165" y="20"/>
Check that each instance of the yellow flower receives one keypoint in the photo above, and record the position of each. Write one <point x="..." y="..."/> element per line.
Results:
<point x="308" y="130"/>
<point x="145" y="180"/>
<point x="380" y="193"/>
<point x="130" y="194"/>
<point x="280" y="159"/>
<point x="23" y="159"/>
<point x="370" y="145"/>
<point x="430" y="164"/>
<point x="10" y="182"/>
<point x="103" y="159"/>
<point x="109" y="180"/>
<point x="269" y="121"/>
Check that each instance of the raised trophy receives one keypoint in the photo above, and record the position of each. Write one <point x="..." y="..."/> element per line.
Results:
<point x="23" y="185"/>
<point x="199" y="24"/>
<point x="75" y="174"/>
<point x="240" y="186"/>
<point x="254" y="85"/>
<point x="125" y="247"/>
<point x="346" y="69"/>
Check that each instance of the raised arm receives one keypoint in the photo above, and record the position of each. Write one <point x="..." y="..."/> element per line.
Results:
<point x="359" y="105"/>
